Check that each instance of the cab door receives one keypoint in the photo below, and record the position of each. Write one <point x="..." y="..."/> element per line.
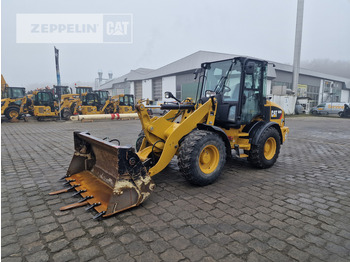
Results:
<point x="254" y="84"/>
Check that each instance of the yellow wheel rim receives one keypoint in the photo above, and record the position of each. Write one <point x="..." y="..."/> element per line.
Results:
<point x="270" y="148"/>
<point x="13" y="114"/>
<point x="209" y="159"/>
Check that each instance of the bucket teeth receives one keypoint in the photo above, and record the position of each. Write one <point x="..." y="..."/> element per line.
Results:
<point x="71" y="206"/>
<point x="64" y="190"/>
<point x="62" y="178"/>
<point x="99" y="215"/>
<point x="78" y="192"/>
<point x="85" y="198"/>
<point x="68" y="182"/>
<point x="92" y="206"/>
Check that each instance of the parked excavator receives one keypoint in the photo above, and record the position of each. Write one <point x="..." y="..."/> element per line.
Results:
<point x="230" y="114"/>
<point x="96" y="102"/>
<point x="11" y="100"/>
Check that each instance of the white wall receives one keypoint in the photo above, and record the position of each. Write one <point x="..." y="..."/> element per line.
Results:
<point x="147" y="89"/>
<point x="132" y="88"/>
<point x="169" y="84"/>
<point x="268" y="87"/>
<point x="345" y="96"/>
<point x="287" y="103"/>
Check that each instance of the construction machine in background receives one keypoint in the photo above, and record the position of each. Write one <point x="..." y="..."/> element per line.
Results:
<point x="54" y="103"/>
<point x="96" y="102"/>
<point x="229" y="115"/>
<point x="124" y="103"/>
<point x="11" y="100"/>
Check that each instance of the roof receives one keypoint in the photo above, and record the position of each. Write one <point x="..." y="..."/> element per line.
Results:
<point x="137" y="73"/>
<point x="190" y="62"/>
<point x="304" y="71"/>
<point x="193" y="61"/>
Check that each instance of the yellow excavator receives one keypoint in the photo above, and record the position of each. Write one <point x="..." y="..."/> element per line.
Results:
<point x="11" y="100"/>
<point x="230" y="114"/>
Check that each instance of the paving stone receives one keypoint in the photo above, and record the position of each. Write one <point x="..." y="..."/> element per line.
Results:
<point x="64" y="255"/>
<point x="247" y="215"/>
<point x="193" y="253"/>
<point x="88" y="253"/>
<point x="58" y="245"/>
<point x="171" y="255"/>
<point x="40" y="256"/>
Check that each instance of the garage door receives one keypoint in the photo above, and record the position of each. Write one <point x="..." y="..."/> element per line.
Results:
<point x="157" y="89"/>
<point x="138" y="90"/>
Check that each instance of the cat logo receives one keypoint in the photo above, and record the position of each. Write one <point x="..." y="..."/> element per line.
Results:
<point x="276" y="113"/>
<point x="117" y="28"/>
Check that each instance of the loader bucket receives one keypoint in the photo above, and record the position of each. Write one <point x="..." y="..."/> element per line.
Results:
<point x="110" y="178"/>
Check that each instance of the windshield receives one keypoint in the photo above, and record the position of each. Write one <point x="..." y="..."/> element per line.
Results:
<point x="65" y="90"/>
<point x="17" y="92"/>
<point x="215" y="75"/>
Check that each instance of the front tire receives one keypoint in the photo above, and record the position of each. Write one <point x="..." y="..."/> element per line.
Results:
<point x="265" y="153"/>
<point x="202" y="156"/>
<point x="12" y="113"/>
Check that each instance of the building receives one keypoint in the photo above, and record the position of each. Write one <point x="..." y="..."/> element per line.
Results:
<point x="178" y="78"/>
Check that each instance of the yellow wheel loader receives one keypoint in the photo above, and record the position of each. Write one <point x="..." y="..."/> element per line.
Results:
<point x="96" y="102"/>
<point x="230" y="115"/>
<point x="11" y="100"/>
<point x="44" y="104"/>
<point x="124" y="103"/>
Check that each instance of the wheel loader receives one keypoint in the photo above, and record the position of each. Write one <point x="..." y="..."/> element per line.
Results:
<point x="230" y="115"/>
<point x="44" y="104"/>
<point x="96" y="102"/>
<point x="124" y="103"/>
<point x="11" y="100"/>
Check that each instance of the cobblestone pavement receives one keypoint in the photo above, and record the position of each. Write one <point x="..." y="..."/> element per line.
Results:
<point x="297" y="210"/>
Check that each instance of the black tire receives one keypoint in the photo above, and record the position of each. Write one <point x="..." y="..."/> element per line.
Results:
<point x="66" y="114"/>
<point x="193" y="148"/>
<point x="257" y="155"/>
<point x="12" y="113"/>
<point x="139" y="140"/>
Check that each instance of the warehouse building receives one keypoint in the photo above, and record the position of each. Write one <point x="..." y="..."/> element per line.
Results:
<point x="178" y="78"/>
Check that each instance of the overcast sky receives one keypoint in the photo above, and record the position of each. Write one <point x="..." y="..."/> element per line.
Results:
<point x="165" y="31"/>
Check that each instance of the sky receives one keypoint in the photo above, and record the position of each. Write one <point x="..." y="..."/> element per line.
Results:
<point x="165" y="31"/>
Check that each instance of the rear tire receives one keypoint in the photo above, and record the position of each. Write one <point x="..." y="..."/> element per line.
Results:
<point x="202" y="156"/>
<point x="66" y="113"/>
<point x="12" y="113"/>
<point x="265" y="153"/>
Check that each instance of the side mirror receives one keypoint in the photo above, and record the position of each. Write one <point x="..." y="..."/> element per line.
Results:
<point x="209" y="93"/>
<point x="168" y="95"/>
<point x="249" y="68"/>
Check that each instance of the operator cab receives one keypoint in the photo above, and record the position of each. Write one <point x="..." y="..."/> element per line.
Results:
<point x="238" y="85"/>
<point x="13" y="92"/>
<point x="44" y="99"/>
<point x="127" y="100"/>
<point x="92" y="99"/>
<point x="103" y="95"/>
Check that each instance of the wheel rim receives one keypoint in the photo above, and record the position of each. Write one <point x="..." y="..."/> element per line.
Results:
<point x="209" y="159"/>
<point x="13" y="114"/>
<point x="270" y="148"/>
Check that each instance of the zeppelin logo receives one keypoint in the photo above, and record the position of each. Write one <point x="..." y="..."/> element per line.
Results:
<point x="64" y="28"/>
<point x="74" y="28"/>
